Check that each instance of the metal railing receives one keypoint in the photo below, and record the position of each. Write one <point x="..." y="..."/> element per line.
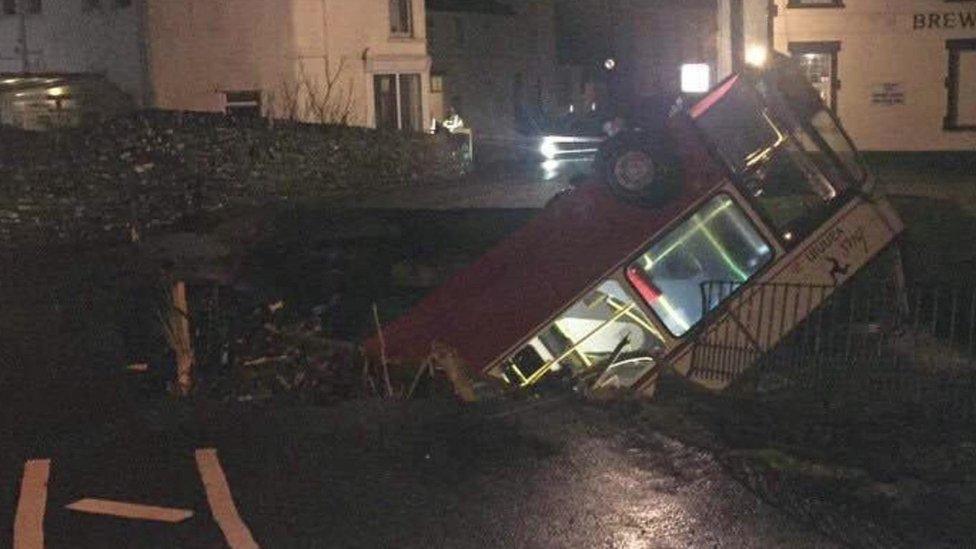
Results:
<point x="870" y="339"/>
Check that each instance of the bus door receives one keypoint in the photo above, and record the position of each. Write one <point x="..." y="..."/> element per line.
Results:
<point x="605" y="333"/>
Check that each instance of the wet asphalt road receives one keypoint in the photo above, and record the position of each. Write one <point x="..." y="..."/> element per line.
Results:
<point x="518" y="186"/>
<point x="533" y="474"/>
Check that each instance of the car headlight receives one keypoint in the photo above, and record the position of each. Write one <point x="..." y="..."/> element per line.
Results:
<point x="549" y="149"/>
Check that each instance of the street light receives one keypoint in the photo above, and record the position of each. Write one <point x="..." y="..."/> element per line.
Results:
<point x="756" y="55"/>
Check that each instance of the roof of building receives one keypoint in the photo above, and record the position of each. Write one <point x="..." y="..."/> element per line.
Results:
<point x="474" y="6"/>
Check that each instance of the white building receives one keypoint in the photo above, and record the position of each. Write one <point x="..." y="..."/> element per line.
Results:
<point x="900" y="74"/>
<point x="358" y="61"/>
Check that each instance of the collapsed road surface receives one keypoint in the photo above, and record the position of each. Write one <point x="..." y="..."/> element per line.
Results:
<point x="540" y="473"/>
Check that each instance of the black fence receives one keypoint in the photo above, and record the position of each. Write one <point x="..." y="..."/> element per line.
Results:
<point x="871" y="340"/>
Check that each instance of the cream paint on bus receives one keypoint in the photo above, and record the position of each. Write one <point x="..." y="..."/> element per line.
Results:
<point x="759" y="319"/>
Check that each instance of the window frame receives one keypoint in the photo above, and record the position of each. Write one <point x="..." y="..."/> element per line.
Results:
<point x="398" y="97"/>
<point x="831" y="48"/>
<point x="437" y="77"/>
<point x="393" y="24"/>
<point x="951" y="121"/>
<point x="800" y="4"/>
<point x="239" y="103"/>
<point x="747" y="209"/>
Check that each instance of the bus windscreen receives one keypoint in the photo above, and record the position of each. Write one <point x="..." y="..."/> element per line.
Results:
<point x="779" y="159"/>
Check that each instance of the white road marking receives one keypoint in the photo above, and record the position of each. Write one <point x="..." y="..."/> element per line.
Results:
<point x="29" y="521"/>
<point x="222" y="502"/>
<point x="130" y="510"/>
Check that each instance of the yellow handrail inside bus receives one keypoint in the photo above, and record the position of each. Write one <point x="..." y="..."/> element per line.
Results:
<point x="535" y="377"/>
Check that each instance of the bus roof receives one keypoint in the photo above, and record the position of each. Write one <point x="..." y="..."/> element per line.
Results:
<point x="525" y="281"/>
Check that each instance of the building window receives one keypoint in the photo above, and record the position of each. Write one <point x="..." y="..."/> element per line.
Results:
<point x="401" y="17"/>
<point x="436" y="83"/>
<point x="13" y="7"/>
<point x="815" y="4"/>
<point x="606" y="323"/>
<point x="244" y="104"/>
<point x="961" y="84"/>
<point x="819" y="61"/>
<point x="92" y="5"/>
<point x="398" y="101"/>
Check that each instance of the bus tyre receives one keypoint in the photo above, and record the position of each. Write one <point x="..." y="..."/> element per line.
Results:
<point x="639" y="170"/>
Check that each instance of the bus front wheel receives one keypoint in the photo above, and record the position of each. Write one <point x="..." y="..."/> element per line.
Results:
<point x="639" y="171"/>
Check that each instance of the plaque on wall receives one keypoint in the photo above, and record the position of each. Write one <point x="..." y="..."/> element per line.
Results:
<point x="888" y="93"/>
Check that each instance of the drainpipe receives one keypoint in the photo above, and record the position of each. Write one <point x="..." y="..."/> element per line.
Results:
<point x="144" y="46"/>
<point x="325" y="36"/>
<point x="21" y="7"/>
<point x="736" y="31"/>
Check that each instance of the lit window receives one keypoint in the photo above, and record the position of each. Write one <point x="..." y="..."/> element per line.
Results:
<point x="718" y="245"/>
<point x="819" y="62"/>
<point x="401" y="17"/>
<point x="436" y="83"/>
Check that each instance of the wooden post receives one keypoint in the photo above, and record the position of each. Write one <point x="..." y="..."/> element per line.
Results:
<point x="177" y="328"/>
<point x="448" y="360"/>
<point x="385" y="363"/>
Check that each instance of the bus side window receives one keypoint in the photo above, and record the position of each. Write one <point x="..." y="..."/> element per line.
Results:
<point x="606" y="325"/>
<point x="717" y="245"/>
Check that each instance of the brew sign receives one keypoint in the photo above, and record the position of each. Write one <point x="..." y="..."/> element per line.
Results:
<point x="945" y="20"/>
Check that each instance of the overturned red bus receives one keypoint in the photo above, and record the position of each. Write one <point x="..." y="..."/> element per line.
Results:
<point x="755" y="183"/>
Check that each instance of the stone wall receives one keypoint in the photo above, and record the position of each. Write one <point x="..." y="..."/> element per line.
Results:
<point x="155" y="169"/>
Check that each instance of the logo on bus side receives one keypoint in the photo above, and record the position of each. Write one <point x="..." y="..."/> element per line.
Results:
<point x="842" y="244"/>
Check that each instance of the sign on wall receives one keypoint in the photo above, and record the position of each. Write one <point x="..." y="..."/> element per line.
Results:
<point x="887" y="94"/>
<point x="945" y="20"/>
